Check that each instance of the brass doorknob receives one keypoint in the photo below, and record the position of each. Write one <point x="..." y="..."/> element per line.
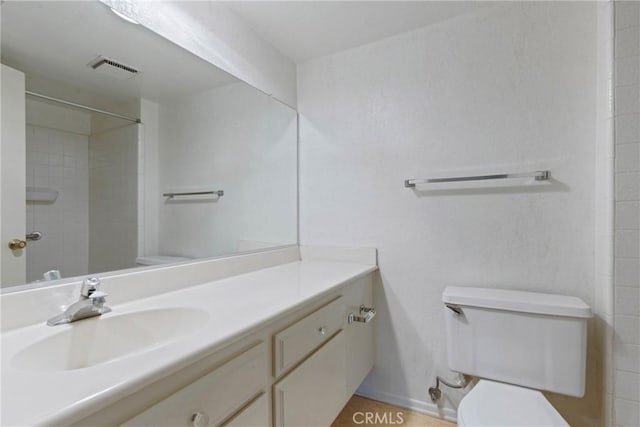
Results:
<point x="16" y="244"/>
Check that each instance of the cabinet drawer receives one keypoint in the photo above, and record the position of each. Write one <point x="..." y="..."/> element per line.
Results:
<point x="315" y="392"/>
<point x="298" y="340"/>
<point x="215" y="396"/>
<point x="254" y="415"/>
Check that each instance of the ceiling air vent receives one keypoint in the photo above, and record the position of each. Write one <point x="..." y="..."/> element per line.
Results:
<point x="112" y="68"/>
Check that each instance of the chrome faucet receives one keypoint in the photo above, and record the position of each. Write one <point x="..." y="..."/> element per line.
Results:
<point x="90" y="304"/>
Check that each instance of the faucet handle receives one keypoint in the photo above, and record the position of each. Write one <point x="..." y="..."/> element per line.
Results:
<point x="98" y="294"/>
<point x="89" y="286"/>
<point x="98" y="301"/>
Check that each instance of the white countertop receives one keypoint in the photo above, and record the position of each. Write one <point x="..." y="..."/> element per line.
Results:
<point x="236" y="305"/>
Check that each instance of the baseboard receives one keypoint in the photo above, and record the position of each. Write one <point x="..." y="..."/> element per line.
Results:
<point x="426" y="408"/>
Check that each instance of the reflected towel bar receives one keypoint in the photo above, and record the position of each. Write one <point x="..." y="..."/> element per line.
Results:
<point x="218" y="193"/>
<point x="538" y="175"/>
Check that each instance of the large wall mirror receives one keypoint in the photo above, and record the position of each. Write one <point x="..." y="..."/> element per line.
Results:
<point x="123" y="150"/>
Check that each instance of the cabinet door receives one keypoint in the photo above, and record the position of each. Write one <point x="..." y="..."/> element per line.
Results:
<point x="359" y="336"/>
<point x="214" y="397"/>
<point x="314" y="393"/>
<point x="254" y="415"/>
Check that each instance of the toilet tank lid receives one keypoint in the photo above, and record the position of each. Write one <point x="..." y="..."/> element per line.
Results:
<point x="519" y="301"/>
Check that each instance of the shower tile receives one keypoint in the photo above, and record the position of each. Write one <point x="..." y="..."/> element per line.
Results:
<point x="627" y="14"/>
<point x="627" y="385"/>
<point x="627" y="272"/>
<point x="627" y="215"/>
<point x="627" y="300"/>
<point x="628" y="157"/>
<point x="627" y="128"/>
<point x="55" y="159"/>
<point x="627" y="186"/>
<point x="627" y="243"/>
<point x="627" y="42"/>
<point x="627" y="71"/>
<point x="627" y="357"/>
<point x="627" y="99"/>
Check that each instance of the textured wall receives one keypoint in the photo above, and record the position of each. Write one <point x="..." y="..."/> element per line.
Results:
<point x="113" y="198"/>
<point x="236" y="139"/>
<point x="511" y="87"/>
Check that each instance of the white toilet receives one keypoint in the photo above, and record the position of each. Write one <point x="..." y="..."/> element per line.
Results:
<point x="518" y="343"/>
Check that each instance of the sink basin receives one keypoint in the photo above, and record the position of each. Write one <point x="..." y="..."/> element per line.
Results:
<point x="98" y="340"/>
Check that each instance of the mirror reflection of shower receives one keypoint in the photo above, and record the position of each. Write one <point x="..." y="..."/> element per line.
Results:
<point x="96" y="183"/>
<point x="82" y="183"/>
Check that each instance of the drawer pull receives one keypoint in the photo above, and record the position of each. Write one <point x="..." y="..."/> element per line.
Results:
<point x="322" y="330"/>
<point x="200" y="419"/>
<point x="366" y="315"/>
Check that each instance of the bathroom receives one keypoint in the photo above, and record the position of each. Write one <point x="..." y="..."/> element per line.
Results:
<point x="246" y="170"/>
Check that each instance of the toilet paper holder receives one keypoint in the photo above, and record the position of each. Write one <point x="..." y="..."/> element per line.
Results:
<point x="366" y="315"/>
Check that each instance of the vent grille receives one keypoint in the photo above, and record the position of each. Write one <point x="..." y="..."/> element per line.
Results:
<point x="102" y="61"/>
<point x="113" y="68"/>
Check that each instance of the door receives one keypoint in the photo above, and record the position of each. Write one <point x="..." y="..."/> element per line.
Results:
<point x="12" y="176"/>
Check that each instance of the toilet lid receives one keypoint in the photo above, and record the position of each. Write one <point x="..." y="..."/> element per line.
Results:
<point x="491" y="403"/>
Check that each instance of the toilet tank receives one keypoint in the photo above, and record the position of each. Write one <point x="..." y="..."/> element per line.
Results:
<point x="529" y="339"/>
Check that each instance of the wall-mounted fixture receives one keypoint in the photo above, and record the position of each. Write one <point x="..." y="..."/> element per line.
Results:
<point x="218" y="193"/>
<point x="544" y="175"/>
<point x="41" y="194"/>
<point x="82" y="107"/>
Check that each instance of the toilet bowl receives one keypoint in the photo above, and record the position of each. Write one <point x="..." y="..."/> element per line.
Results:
<point x="491" y="403"/>
<point x="159" y="259"/>
<point x="519" y="344"/>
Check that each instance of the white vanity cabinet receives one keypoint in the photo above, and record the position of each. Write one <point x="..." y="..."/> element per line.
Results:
<point x="331" y="358"/>
<point x="315" y="392"/>
<point x="214" y="397"/>
<point x="256" y="414"/>
<point x="297" y="370"/>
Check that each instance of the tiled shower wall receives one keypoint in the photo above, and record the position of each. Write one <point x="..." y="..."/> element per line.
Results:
<point x="57" y="158"/>
<point x="627" y="214"/>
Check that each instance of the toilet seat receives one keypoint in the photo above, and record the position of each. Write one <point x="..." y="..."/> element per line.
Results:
<point x="495" y="404"/>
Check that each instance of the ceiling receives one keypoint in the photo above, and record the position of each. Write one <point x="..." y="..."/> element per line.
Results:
<point x="303" y="30"/>
<point x="64" y="36"/>
<point x="52" y="42"/>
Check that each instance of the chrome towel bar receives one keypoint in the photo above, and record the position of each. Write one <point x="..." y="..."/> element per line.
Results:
<point x="218" y="193"/>
<point x="537" y="175"/>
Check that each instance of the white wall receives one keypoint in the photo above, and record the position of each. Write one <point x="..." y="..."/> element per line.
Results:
<point x="148" y="175"/>
<point x="627" y="217"/>
<point x="236" y="139"/>
<point x="212" y="31"/>
<point x="57" y="158"/>
<point x="113" y="200"/>
<point x="512" y="87"/>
